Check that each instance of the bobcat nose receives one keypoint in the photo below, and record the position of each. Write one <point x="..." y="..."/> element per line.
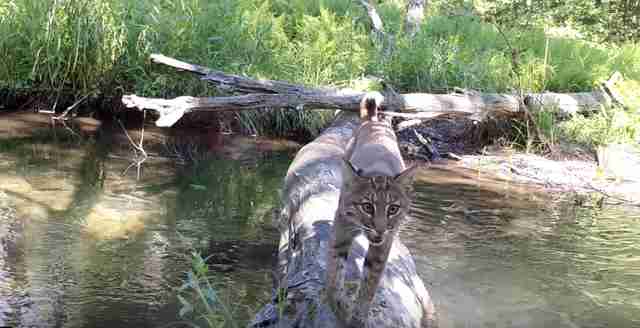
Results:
<point x="377" y="240"/>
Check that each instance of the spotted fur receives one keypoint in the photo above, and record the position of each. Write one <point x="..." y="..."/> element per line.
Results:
<point x="374" y="200"/>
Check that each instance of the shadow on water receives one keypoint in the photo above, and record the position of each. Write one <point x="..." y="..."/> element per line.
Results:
<point x="495" y="254"/>
<point x="82" y="245"/>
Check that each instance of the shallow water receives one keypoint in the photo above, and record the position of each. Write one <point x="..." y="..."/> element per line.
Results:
<point x="83" y="245"/>
<point x="494" y="254"/>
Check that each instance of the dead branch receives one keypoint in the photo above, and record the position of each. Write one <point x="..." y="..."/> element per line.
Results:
<point x="230" y="83"/>
<point x="138" y="159"/>
<point x="424" y="105"/>
<point x="69" y="109"/>
<point x="268" y="94"/>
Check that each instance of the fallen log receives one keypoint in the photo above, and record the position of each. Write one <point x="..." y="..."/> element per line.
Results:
<point x="568" y="104"/>
<point x="268" y="94"/>
<point x="422" y="104"/>
<point x="309" y="201"/>
<point x="236" y="83"/>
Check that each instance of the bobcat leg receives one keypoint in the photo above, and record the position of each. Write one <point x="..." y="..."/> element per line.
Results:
<point x="340" y="244"/>
<point x="374" y="265"/>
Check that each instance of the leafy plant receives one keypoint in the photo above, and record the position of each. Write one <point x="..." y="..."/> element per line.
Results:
<point x="200" y="300"/>
<point x="609" y="125"/>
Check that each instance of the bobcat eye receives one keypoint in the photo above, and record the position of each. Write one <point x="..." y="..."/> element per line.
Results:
<point x="367" y="208"/>
<point x="393" y="209"/>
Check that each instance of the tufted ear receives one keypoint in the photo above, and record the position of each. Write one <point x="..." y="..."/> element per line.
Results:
<point x="349" y="172"/>
<point x="406" y="177"/>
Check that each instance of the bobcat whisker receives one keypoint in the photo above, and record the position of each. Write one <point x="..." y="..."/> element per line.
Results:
<point x="366" y="196"/>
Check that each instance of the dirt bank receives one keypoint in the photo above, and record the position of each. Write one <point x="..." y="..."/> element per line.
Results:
<point x="472" y="145"/>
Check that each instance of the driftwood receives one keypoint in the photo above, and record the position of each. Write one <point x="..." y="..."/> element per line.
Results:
<point x="309" y="201"/>
<point x="267" y="94"/>
<point x="568" y="103"/>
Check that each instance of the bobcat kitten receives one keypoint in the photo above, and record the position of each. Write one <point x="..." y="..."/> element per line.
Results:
<point x="374" y="200"/>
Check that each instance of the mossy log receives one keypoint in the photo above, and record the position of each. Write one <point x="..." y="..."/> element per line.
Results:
<point x="249" y="94"/>
<point x="309" y="202"/>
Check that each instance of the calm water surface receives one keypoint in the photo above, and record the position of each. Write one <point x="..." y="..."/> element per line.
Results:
<point x="83" y="245"/>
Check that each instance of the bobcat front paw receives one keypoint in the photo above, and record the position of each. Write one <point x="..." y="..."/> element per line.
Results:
<point x="329" y="298"/>
<point x="357" y="321"/>
<point x="360" y="316"/>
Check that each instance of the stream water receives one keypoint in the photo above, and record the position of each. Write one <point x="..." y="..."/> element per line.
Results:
<point x="82" y="245"/>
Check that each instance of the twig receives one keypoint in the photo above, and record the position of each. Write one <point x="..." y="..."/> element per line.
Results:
<point x="590" y="186"/>
<point x="609" y="88"/>
<point x="64" y="124"/>
<point x="427" y="144"/>
<point x="138" y="160"/>
<point x="69" y="109"/>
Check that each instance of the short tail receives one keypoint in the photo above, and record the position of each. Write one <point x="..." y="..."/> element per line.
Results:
<point x="369" y="106"/>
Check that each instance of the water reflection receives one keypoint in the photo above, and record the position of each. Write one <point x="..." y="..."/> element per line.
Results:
<point x="496" y="254"/>
<point x="82" y="245"/>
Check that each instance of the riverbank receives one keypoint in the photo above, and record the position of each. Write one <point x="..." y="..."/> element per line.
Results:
<point x="569" y="168"/>
<point x="210" y="200"/>
<point x="461" y="142"/>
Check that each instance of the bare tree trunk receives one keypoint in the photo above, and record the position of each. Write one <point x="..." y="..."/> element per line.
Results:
<point x="384" y="41"/>
<point x="309" y="202"/>
<point x="376" y="22"/>
<point x="414" y="17"/>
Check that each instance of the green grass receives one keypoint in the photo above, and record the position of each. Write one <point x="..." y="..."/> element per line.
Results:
<point x="609" y="125"/>
<point x="87" y="45"/>
<point x="200" y="299"/>
<point x="466" y="52"/>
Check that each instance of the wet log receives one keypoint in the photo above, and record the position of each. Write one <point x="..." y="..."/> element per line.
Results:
<point x="309" y="201"/>
<point x="269" y="94"/>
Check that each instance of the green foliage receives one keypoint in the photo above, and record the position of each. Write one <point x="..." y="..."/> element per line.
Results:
<point x="500" y="46"/>
<point x="524" y="134"/>
<point x="609" y="125"/>
<point x="60" y="43"/>
<point x="452" y="52"/>
<point x="200" y="300"/>
<point x="465" y="52"/>
<point x="602" y="20"/>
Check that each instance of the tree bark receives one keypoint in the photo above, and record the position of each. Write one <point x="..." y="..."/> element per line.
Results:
<point x="568" y="103"/>
<point x="385" y="42"/>
<point x="230" y="83"/>
<point x="376" y="21"/>
<point x="309" y="201"/>
<point x="268" y="94"/>
<point x="414" y="17"/>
